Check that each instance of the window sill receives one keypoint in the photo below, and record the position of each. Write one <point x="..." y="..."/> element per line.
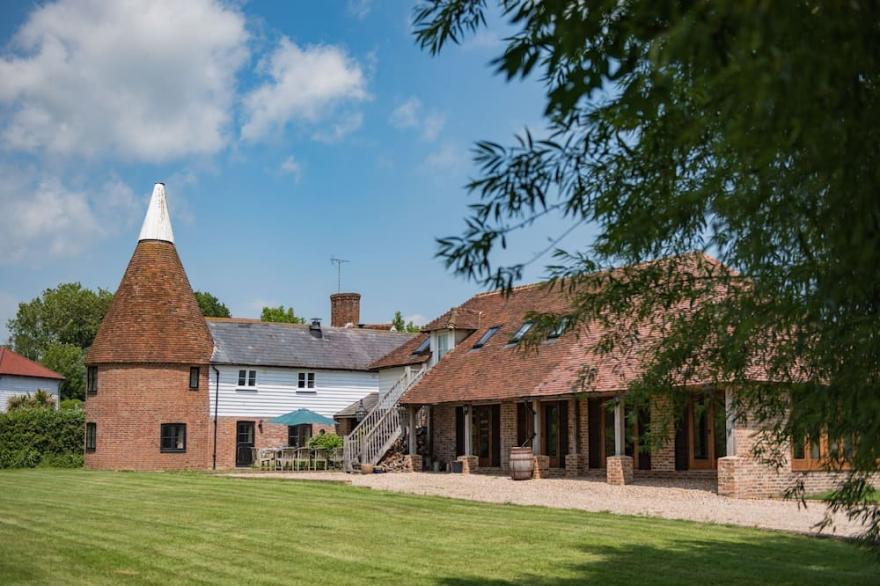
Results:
<point x="183" y="451"/>
<point x="306" y="391"/>
<point x="90" y="450"/>
<point x="246" y="389"/>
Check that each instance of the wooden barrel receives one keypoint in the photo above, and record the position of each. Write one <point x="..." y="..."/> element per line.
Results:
<point x="521" y="463"/>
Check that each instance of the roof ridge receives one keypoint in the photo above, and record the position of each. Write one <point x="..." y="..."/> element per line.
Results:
<point x="255" y="321"/>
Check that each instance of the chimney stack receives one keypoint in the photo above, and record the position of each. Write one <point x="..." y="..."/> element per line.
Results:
<point x="345" y="309"/>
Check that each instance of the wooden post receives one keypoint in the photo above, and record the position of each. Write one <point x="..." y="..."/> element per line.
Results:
<point x="730" y="421"/>
<point x="411" y="427"/>
<point x="468" y="413"/>
<point x="536" y="443"/>
<point x="619" y="436"/>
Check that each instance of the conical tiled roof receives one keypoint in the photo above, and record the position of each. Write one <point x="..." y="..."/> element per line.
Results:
<point x="154" y="317"/>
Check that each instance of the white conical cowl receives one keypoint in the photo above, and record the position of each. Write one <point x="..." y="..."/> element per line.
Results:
<point x="157" y="222"/>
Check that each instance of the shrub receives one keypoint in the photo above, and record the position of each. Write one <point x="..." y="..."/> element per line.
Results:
<point x="327" y="441"/>
<point x="71" y="404"/>
<point x="33" y="437"/>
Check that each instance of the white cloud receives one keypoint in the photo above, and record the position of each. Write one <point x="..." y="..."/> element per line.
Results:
<point x="43" y="219"/>
<point x="446" y="158"/>
<point x="8" y="309"/>
<point x="292" y="167"/>
<point x="409" y="114"/>
<point x="359" y="8"/>
<point x="483" y="39"/>
<point x="139" y="80"/>
<point x="406" y="115"/>
<point x="340" y="129"/>
<point x="304" y="85"/>
<point x="416" y="318"/>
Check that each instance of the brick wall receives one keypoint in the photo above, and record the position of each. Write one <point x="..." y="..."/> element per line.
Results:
<point x="508" y="433"/>
<point x="663" y="429"/>
<point x="345" y="308"/>
<point x="443" y="430"/>
<point x="743" y="476"/>
<point x="583" y="445"/>
<point x="267" y="435"/>
<point x="131" y="404"/>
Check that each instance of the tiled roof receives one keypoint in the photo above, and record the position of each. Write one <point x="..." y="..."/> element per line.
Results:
<point x="500" y="370"/>
<point x="252" y="342"/>
<point x="154" y="317"/>
<point x="14" y="364"/>
<point x="351" y="411"/>
<point x="403" y="354"/>
<point x="459" y="318"/>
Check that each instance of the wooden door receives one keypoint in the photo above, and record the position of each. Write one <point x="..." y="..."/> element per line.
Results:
<point x="554" y="432"/>
<point x="706" y="431"/>
<point x="244" y="443"/>
<point x="486" y="434"/>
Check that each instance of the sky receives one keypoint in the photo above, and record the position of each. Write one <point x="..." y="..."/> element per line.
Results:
<point x="286" y="133"/>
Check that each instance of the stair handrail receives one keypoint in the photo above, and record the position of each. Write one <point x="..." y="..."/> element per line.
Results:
<point x="377" y="422"/>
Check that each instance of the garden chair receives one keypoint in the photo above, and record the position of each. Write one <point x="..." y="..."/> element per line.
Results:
<point x="335" y="458"/>
<point x="302" y="458"/>
<point x="285" y="459"/>
<point x="319" y="457"/>
<point x="267" y="458"/>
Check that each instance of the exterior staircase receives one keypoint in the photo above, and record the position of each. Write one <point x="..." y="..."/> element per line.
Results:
<point x="383" y="425"/>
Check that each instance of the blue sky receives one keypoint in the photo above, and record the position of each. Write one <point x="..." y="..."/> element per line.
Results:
<point x="286" y="133"/>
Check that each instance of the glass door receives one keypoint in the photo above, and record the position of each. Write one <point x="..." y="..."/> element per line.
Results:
<point x="244" y="443"/>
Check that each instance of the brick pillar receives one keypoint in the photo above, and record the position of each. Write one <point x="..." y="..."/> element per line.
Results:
<point x="469" y="464"/>
<point x="620" y="470"/>
<point x="412" y="463"/>
<point x="663" y="428"/>
<point x="574" y="465"/>
<point x="584" y="439"/>
<point x="541" y="468"/>
<point x="727" y="472"/>
<point x="508" y="433"/>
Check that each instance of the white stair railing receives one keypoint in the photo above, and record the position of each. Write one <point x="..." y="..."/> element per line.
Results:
<point x="382" y="426"/>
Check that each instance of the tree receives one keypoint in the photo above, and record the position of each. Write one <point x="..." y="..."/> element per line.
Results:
<point x="210" y="306"/>
<point x="745" y="129"/>
<point x="67" y="314"/>
<point x="401" y="325"/>
<point x="68" y="361"/>
<point x="281" y="315"/>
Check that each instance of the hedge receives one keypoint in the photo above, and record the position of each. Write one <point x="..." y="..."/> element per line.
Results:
<point x="41" y="437"/>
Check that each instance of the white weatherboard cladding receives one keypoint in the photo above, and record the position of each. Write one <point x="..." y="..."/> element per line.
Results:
<point x="11" y="386"/>
<point x="388" y="377"/>
<point x="276" y="391"/>
<point x="157" y="222"/>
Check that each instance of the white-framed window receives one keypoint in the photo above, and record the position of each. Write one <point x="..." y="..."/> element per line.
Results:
<point x="306" y="380"/>
<point x="442" y="344"/>
<point x="247" y="378"/>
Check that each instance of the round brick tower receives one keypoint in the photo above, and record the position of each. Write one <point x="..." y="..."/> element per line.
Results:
<point x="147" y="404"/>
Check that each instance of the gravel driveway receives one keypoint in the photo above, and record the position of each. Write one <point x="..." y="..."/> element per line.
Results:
<point x="689" y="500"/>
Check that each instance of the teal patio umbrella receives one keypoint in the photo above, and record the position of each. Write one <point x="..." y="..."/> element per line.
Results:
<point x="302" y="417"/>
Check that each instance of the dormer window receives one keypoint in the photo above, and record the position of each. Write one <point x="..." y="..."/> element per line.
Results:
<point x="423" y="347"/>
<point x="486" y="336"/>
<point x="442" y="345"/>
<point x="522" y="331"/>
<point x="560" y="328"/>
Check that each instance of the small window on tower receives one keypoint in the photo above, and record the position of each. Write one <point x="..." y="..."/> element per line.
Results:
<point x="194" y="373"/>
<point x="92" y="380"/>
<point x="91" y="436"/>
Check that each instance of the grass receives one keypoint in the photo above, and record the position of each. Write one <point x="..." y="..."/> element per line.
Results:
<point x="873" y="496"/>
<point x="76" y="526"/>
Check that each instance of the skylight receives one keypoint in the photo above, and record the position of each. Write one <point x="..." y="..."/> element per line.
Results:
<point x="522" y="331"/>
<point x="560" y="328"/>
<point x="423" y="347"/>
<point x="485" y="337"/>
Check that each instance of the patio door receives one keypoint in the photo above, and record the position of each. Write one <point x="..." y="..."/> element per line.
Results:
<point x="706" y="431"/>
<point x="555" y="432"/>
<point x="244" y="443"/>
<point x="487" y="434"/>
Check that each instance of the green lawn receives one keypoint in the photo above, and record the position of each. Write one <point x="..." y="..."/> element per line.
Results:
<point x="74" y="526"/>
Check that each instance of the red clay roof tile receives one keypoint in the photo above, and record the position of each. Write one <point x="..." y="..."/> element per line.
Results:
<point x="14" y="364"/>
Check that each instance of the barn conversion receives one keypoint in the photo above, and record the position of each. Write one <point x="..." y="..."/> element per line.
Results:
<point x="168" y="388"/>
